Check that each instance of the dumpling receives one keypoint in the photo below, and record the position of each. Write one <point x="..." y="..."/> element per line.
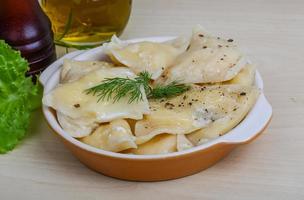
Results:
<point x="178" y="115"/>
<point x="115" y="136"/>
<point x="71" y="100"/>
<point x="243" y="99"/>
<point x="194" y="110"/>
<point x="181" y="43"/>
<point x="183" y="143"/>
<point x="161" y="144"/>
<point x="207" y="60"/>
<point x="73" y="70"/>
<point x="78" y="127"/>
<point x="152" y="57"/>
<point x="245" y="77"/>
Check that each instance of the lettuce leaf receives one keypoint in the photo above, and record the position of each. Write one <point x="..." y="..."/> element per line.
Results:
<point x="18" y="96"/>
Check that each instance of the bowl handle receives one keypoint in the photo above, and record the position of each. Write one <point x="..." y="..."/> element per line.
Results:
<point x="257" y="122"/>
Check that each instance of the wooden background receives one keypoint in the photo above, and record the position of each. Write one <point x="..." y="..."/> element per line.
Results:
<point x="271" y="32"/>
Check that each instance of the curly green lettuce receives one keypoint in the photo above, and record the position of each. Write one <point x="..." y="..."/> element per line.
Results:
<point x="18" y="97"/>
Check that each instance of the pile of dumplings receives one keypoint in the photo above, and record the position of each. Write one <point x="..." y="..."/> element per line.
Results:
<point x="222" y="93"/>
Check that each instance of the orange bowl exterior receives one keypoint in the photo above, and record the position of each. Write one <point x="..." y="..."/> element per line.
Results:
<point x="153" y="169"/>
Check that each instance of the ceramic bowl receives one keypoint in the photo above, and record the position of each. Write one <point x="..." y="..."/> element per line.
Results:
<point x="154" y="167"/>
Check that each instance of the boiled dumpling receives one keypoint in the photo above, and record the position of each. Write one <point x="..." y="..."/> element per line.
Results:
<point x="178" y="115"/>
<point x="115" y="136"/>
<point x="245" y="77"/>
<point x="180" y="43"/>
<point x="152" y="57"/>
<point x="76" y="127"/>
<point x="234" y="111"/>
<point x="194" y="110"/>
<point x="161" y="144"/>
<point x="73" y="70"/>
<point x="183" y="143"/>
<point x="207" y="60"/>
<point x="71" y="100"/>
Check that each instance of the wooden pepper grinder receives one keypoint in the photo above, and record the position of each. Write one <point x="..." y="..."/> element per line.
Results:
<point x="25" y="27"/>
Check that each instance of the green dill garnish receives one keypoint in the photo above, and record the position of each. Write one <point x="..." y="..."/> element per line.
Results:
<point x="170" y="90"/>
<point x="116" y="88"/>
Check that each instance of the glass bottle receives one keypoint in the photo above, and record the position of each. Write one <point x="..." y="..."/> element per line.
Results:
<point x="86" y="23"/>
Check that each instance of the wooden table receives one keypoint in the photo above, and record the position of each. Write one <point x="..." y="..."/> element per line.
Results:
<point x="271" y="32"/>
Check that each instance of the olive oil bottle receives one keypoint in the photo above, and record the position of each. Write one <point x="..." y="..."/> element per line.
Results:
<point x="86" y="22"/>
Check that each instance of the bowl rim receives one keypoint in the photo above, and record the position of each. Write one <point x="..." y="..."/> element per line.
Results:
<point x="50" y="77"/>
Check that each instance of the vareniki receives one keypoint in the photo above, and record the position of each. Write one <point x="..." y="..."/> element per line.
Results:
<point x="155" y="98"/>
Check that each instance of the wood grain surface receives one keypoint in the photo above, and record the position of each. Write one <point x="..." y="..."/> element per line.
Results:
<point x="271" y="32"/>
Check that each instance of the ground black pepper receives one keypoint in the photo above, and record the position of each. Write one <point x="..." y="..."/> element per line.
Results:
<point x="77" y="105"/>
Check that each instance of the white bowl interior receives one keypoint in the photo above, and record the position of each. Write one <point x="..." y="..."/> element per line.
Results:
<point x="253" y="123"/>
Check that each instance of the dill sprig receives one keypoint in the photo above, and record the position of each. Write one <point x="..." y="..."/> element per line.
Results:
<point x="170" y="90"/>
<point x="117" y="88"/>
